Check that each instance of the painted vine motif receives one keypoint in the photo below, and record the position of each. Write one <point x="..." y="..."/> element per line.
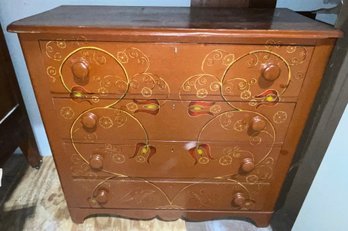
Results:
<point x="122" y="81"/>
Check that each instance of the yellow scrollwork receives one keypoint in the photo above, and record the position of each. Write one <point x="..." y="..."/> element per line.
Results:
<point x="53" y="49"/>
<point x="52" y="73"/>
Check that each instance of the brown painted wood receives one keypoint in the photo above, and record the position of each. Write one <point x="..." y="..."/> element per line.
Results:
<point x="220" y="3"/>
<point x="194" y="195"/>
<point x="317" y="67"/>
<point x="15" y="128"/>
<point x="67" y="110"/>
<point x="163" y="22"/>
<point x="235" y="3"/>
<point x="260" y="219"/>
<point x="173" y="116"/>
<point x="161" y="163"/>
<point x="200" y="56"/>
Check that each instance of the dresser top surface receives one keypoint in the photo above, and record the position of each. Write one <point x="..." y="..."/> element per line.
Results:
<point x="85" y="18"/>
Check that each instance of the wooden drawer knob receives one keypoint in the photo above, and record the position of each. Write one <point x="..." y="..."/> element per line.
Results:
<point x="96" y="161"/>
<point x="89" y="121"/>
<point x="271" y="72"/>
<point x="247" y="165"/>
<point x="238" y="199"/>
<point x="102" y="196"/>
<point x="80" y="71"/>
<point x="257" y="123"/>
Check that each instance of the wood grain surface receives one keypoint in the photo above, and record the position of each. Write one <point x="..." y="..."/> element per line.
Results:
<point x="87" y="20"/>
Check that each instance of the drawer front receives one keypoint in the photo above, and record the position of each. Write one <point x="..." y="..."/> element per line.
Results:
<point x="200" y="121"/>
<point x="144" y="194"/>
<point x="174" y="160"/>
<point x="263" y="74"/>
<point x="135" y="117"/>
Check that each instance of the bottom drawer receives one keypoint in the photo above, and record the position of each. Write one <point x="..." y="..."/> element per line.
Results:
<point x="123" y="193"/>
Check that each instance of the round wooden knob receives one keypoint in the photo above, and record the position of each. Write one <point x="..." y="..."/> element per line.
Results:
<point x="102" y="196"/>
<point x="96" y="161"/>
<point x="271" y="72"/>
<point x="247" y="165"/>
<point x="89" y="121"/>
<point x="257" y="123"/>
<point x="238" y="199"/>
<point x="80" y="71"/>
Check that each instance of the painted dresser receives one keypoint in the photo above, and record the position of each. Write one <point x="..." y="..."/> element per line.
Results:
<point x="174" y="112"/>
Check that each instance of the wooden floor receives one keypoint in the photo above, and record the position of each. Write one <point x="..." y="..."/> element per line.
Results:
<point x="32" y="199"/>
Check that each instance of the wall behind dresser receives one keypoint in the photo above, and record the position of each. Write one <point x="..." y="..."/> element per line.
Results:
<point x="325" y="206"/>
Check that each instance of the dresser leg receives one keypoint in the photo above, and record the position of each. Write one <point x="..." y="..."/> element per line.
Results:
<point x="262" y="219"/>
<point x="28" y="145"/>
<point x="78" y="215"/>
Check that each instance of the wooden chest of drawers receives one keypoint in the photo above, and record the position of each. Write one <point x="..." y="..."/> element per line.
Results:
<point x="174" y="112"/>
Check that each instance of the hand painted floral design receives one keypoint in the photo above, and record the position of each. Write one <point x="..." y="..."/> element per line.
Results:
<point x="280" y="117"/>
<point x="67" y="113"/>
<point x="143" y="152"/>
<point x="106" y="122"/>
<point x="201" y="154"/>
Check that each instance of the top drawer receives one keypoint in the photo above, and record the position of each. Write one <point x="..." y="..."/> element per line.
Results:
<point x="259" y="73"/>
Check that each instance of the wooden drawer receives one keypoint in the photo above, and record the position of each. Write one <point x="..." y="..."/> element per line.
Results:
<point x="258" y="73"/>
<point x="172" y="120"/>
<point x="174" y="160"/>
<point x="143" y="194"/>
